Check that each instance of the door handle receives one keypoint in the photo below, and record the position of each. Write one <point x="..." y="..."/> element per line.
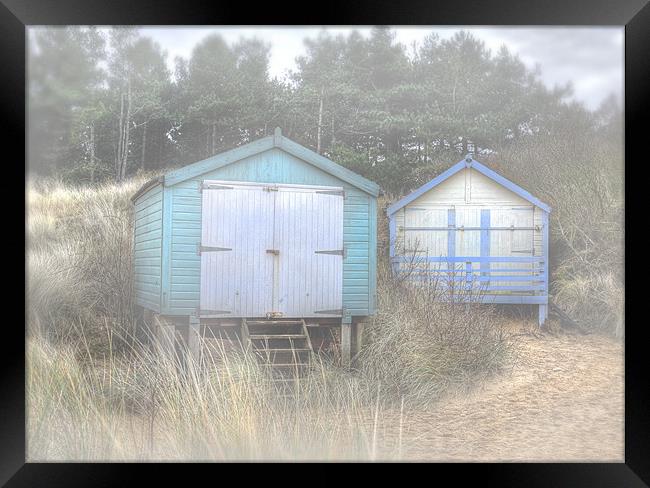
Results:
<point x="275" y="252"/>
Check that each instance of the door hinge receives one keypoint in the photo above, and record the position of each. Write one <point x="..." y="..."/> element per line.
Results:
<point x="332" y="192"/>
<point x="336" y="252"/>
<point x="203" y="312"/>
<point x="214" y="186"/>
<point x="201" y="249"/>
<point x="337" y="311"/>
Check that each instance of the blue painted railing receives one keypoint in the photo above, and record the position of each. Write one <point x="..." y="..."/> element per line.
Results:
<point x="476" y="274"/>
<point x="470" y="259"/>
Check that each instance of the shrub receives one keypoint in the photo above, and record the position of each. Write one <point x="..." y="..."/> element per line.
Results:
<point x="581" y="177"/>
<point x="420" y="343"/>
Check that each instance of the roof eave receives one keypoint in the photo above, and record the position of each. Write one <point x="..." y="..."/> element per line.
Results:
<point x="218" y="161"/>
<point x="147" y="186"/>
<point x="506" y="183"/>
<point x="425" y="188"/>
<point x="264" y="144"/>
<point x="328" y="166"/>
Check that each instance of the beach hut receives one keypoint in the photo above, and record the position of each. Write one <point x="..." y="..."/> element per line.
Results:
<point x="267" y="238"/>
<point x="475" y="235"/>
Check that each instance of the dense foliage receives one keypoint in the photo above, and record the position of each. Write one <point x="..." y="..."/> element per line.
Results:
<point x="105" y="105"/>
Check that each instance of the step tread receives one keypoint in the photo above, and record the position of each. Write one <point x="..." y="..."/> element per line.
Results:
<point x="284" y="365"/>
<point x="271" y="349"/>
<point x="277" y="336"/>
<point x="271" y="322"/>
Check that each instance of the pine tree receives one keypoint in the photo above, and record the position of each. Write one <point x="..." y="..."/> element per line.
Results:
<point x="64" y="76"/>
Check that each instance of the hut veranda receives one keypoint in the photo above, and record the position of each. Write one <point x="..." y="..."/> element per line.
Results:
<point x="475" y="235"/>
<point x="270" y="241"/>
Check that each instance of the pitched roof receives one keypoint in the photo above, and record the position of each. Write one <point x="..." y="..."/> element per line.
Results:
<point x="481" y="168"/>
<point x="277" y="140"/>
<point x="148" y="184"/>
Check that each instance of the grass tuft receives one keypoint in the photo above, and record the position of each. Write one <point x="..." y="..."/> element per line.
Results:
<point x="98" y="391"/>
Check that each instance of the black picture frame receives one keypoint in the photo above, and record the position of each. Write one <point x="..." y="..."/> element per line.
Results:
<point x="16" y="15"/>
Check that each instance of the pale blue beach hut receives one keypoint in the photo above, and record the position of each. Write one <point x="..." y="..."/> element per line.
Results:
<point x="268" y="233"/>
<point x="476" y="235"/>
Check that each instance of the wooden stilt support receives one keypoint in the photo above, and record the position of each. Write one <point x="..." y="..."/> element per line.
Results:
<point x="358" y="332"/>
<point x="165" y="335"/>
<point x="149" y="325"/>
<point x="194" y="337"/>
<point x="346" y="340"/>
<point x="543" y="314"/>
<point x="245" y="335"/>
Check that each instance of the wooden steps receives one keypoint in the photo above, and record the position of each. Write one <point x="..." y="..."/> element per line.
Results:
<point x="276" y="336"/>
<point x="296" y="349"/>
<point x="283" y="347"/>
<point x="286" y="365"/>
<point x="272" y="322"/>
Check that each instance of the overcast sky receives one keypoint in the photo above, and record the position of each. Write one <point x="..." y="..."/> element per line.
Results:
<point x="591" y="58"/>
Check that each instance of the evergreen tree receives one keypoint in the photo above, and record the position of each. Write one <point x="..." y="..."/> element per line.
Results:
<point x="138" y="88"/>
<point x="394" y="116"/>
<point x="64" y="77"/>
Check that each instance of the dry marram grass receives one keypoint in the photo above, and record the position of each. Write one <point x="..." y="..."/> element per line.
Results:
<point x="98" y="390"/>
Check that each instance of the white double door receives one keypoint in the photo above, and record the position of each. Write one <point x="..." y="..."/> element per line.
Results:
<point x="510" y="231"/>
<point x="271" y="249"/>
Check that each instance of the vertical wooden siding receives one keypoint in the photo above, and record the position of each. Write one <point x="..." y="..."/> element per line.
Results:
<point x="273" y="166"/>
<point x="148" y="230"/>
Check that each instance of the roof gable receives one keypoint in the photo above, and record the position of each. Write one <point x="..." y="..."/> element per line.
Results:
<point x="467" y="162"/>
<point x="277" y="140"/>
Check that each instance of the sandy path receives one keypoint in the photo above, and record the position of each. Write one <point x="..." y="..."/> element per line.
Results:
<point x="563" y="402"/>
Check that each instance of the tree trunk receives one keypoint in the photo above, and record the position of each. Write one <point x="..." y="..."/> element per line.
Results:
<point x="92" y="153"/>
<point x="120" y="139"/>
<point x="214" y="138"/>
<point x="320" y="121"/>
<point x="453" y="93"/>
<point x="144" y="145"/>
<point x="127" y="129"/>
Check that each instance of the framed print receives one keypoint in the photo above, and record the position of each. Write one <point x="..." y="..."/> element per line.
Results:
<point x="397" y="236"/>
